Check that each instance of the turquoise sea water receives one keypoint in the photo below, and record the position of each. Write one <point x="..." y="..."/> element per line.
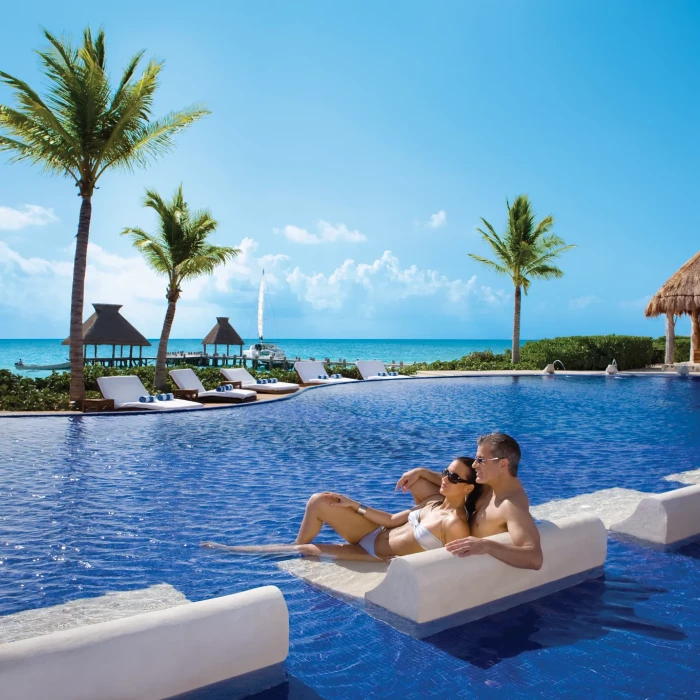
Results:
<point x="50" y="351"/>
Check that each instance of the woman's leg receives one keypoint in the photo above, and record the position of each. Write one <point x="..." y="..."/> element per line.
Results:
<point x="347" y="552"/>
<point x="351" y="526"/>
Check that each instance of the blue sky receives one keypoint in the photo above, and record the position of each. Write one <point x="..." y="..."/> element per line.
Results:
<point x="352" y="149"/>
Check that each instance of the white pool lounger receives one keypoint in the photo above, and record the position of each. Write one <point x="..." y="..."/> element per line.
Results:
<point x="664" y="518"/>
<point x="188" y="379"/>
<point x="125" y="391"/>
<point x="313" y="372"/>
<point x="238" y="641"/>
<point x="375" y="369"/>
<point x="422" y="594"/>
<point x="248" y="382"/>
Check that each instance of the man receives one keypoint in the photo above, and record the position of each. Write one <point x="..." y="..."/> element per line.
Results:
<point x="503" y="505"/>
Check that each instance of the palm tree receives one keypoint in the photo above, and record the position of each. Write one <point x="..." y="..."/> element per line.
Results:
<point x="83" y="127"/>
<point x="179" y="250"/>
<point x="525" y="252"/>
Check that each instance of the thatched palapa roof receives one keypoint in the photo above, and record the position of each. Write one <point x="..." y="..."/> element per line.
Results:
<point x="680" y="294"/>
<point x="223" y="333"/>
<point x="108" y="327"/>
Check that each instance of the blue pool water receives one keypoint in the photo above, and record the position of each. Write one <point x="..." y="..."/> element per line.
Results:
<point x="95" y="504"/>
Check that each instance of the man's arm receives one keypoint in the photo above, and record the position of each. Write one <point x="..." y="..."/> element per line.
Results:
<point x="524" y="553"/>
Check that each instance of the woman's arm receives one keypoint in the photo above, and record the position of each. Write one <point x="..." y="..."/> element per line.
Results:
<point x="378" y="517"/>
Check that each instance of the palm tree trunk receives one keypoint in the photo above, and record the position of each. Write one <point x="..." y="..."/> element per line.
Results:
<point x="516" y="326"/>
<point x="670" y="339"/>
<point x="77" y="379"/>
<point x="160" y="380"/>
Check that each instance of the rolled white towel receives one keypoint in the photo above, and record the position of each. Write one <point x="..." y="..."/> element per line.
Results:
<point x="147" y="399"/>
<point x="323" y="376"/>
<point x="336" y="376"/>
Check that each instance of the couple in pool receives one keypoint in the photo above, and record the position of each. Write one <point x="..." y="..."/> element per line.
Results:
<point x="471" y="499"/>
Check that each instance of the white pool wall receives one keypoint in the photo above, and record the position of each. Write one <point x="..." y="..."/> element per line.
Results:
<point x="664" y="518"/>
<point x="154" y="655"/>
<point x="432" y="585"/>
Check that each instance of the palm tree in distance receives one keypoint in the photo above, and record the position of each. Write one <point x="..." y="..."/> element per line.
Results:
<point x="526" y="251"/>
<point x="81" y="128"/>
<point x="179" y="250"/>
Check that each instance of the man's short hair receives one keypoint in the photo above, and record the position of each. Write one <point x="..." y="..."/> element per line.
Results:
<point x="505" y="447"/>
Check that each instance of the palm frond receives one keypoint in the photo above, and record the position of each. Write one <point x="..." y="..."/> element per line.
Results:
<point x="82" y="125"/>
<point x="491" y="264"/>
<point x="526" y="250"/>
<point x="154" y="253"/>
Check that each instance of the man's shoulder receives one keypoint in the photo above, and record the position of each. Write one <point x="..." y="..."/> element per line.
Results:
<point x="516" y="500"/>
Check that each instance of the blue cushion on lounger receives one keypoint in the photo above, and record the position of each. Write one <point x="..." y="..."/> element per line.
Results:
<point x="336" y="376"/>
<point x="393" y="374"/>
<point x="323" y="376"/>
<point x="147" y="399"/>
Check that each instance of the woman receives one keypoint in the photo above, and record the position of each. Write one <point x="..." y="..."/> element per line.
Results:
<point x="374" y="535"/>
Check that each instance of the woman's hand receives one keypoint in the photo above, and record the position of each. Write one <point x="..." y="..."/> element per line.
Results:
<point x="340" y="501"/>
<point x="408" y="479"/>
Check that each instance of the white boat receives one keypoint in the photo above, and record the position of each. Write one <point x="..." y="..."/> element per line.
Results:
<point x="262" y="350"/>
<point x="35" y="368"/>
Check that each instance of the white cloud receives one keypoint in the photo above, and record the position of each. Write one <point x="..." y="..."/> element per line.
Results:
<point x="32" y="215"/>
<point x="327" y="233"/>
<point x="40" y="289"/>
<point x="582" y="302"/>
<point x="382" y="282"/>
<point x="437" y="220"/>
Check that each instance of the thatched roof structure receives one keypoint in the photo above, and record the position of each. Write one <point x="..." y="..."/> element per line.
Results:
<point x="223" y="333"/>
<point x="108" y="327"/>
<point x="680" y="294"/>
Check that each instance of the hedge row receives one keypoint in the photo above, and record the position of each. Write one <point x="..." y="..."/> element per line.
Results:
<point x="584" y="352"/>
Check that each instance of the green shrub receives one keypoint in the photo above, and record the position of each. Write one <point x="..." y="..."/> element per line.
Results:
<point x="22" y="394"/>
<point x="590" y="352"/>
<point x="681" y="352"/>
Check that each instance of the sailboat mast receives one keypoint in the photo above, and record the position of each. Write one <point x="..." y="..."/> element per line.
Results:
<point x="261" y="306"/>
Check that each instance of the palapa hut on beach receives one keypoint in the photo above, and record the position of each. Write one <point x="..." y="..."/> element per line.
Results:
<point x="108" y="327"/>
<point x="680" y="295"/>
<point x="223" y="333"/>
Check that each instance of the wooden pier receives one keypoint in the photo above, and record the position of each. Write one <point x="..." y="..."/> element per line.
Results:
<point x="201" y="359"/>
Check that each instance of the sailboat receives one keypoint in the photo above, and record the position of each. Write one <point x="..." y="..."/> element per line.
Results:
<point x="262" y="350"/>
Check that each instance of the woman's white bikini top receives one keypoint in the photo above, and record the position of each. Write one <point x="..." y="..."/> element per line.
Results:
<point x="423" y="536"/>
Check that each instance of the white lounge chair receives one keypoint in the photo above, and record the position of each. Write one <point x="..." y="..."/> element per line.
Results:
<point x="374" y="369"/>
<point x="126" y="391"/>
<point x="313" y="372"/>
<point x="248" y="381"/>
<point x="188" y="379"/>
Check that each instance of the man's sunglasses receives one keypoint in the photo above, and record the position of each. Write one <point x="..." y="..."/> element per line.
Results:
<point x="453" y="477"/>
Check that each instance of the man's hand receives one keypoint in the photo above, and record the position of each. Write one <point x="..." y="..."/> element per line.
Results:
<point x="467" y="546"/>
<point x="408" y="479"/>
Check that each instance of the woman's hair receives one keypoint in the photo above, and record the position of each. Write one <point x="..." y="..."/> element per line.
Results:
<point x="473" y="497"/>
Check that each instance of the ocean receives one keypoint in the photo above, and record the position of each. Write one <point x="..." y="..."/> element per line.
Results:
<point x="50" y="351"/>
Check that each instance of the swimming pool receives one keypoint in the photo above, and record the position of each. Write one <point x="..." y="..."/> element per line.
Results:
<point x="102" y="503"/>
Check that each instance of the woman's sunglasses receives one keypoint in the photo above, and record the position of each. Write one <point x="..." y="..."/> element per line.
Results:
<point x="453" y="477"/>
